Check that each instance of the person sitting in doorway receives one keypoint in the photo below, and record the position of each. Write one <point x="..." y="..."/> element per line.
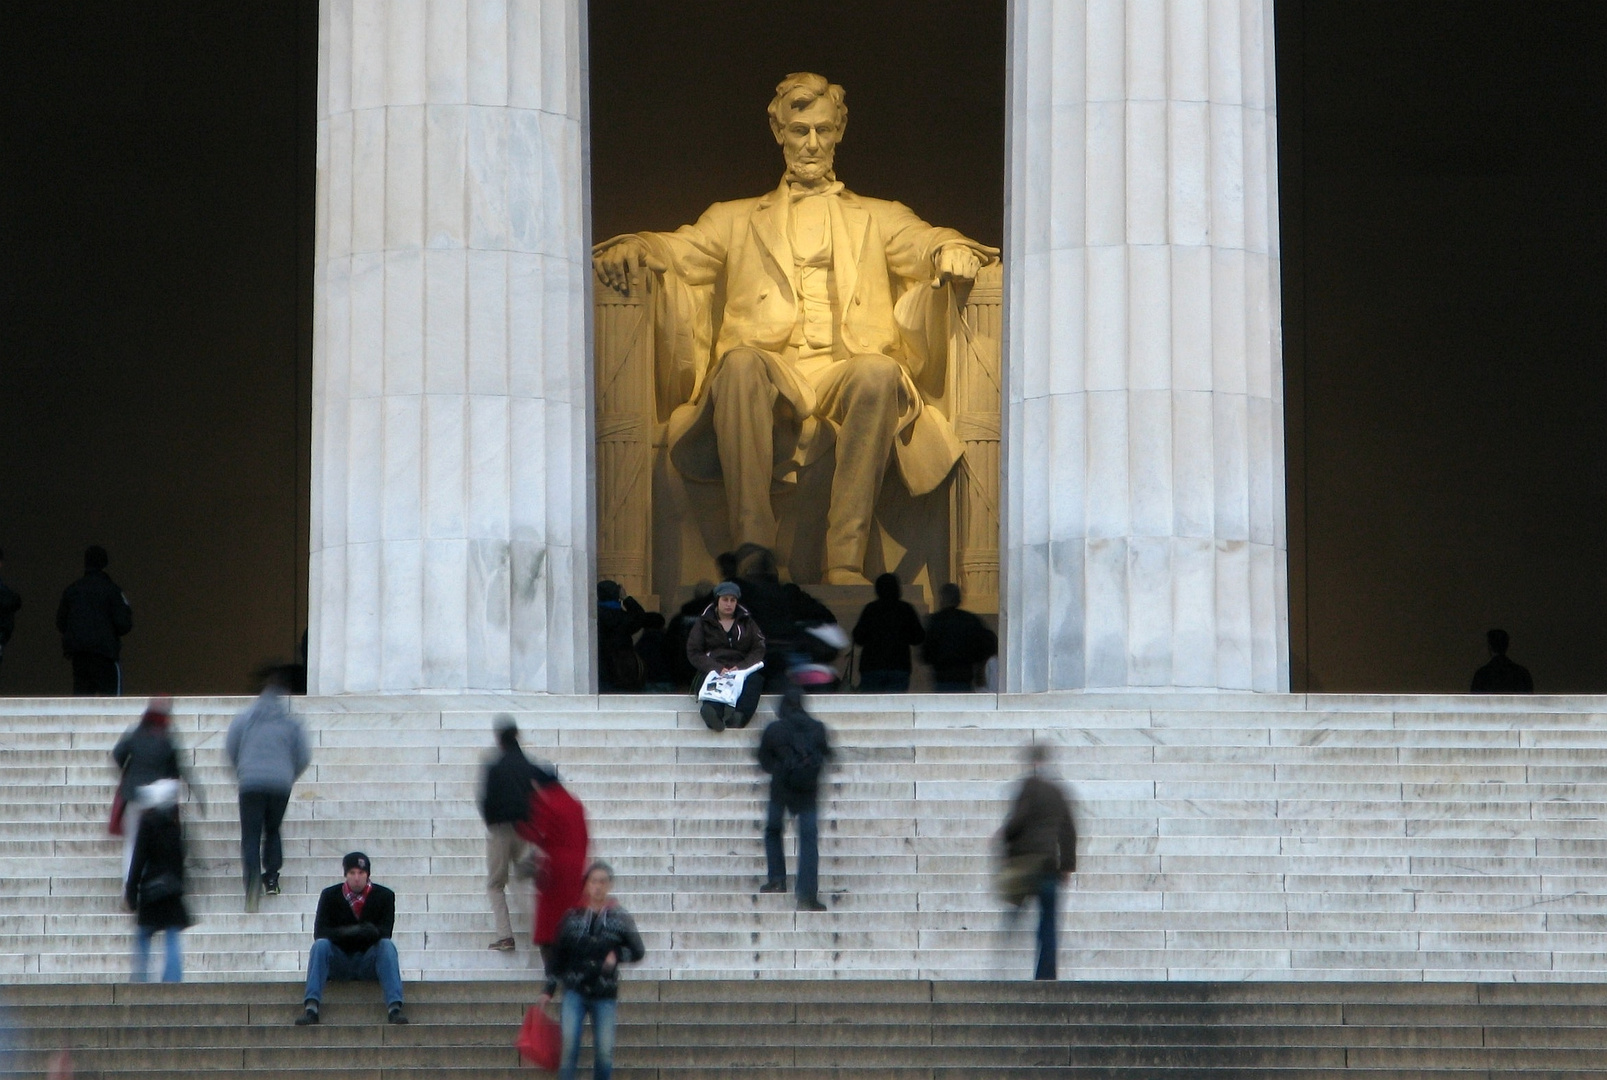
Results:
<point x="725" y="638"/>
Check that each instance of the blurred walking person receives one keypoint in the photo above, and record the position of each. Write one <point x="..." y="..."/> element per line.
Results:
<point x="154" y="890"/>
<point x="593" y="940"/>
<point x="267" y="749"/>
<point x="146" y="753"/>
<point x="557" y="825"/>
<point x="1040" y="853"/>
<point x="794" y="750"/>
<point x="505" y="787"/>
<point x="93" y="617"/>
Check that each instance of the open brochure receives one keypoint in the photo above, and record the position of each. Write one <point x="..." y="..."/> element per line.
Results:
<point x="724" y="687"/>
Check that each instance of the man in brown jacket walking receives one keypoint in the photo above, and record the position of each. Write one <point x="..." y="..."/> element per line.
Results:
<point x="1040" y="845"/>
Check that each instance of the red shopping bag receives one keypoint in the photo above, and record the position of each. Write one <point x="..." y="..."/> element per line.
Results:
<point x="540" y="1041"/>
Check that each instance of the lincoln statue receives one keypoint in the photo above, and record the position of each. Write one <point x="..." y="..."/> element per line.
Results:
<point x="819" y="343"/>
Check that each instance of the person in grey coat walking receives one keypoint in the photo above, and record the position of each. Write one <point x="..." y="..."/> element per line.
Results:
<point x="267" y="749"/>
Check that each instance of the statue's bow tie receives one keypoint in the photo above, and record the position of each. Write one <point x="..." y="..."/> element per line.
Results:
<point x="798" y="191"/>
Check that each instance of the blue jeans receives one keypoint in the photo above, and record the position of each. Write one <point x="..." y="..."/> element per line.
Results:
<point x="884" y="682"/>
<point x="808" y="848"/>
<point x="172" y="967"/>
<point x="572" y="1018"/>
<point x="329" y="961"/>
<point x="1048" y="946"/>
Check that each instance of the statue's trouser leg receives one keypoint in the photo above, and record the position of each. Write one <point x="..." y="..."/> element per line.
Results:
<point x="863" y="401"/>
<point x="744" y="401"/>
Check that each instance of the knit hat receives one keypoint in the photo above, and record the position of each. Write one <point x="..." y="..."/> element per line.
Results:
<point x="727" y="588"/>
<point x="355" y="861"/>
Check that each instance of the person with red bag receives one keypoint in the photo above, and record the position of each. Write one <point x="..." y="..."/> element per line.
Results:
<point x="592" y="942"/>
<point x="557" y="825"/>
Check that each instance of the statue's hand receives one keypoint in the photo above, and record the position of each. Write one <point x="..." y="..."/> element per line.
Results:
<point x="616" y="264"/>
<point x="959" y="262"/>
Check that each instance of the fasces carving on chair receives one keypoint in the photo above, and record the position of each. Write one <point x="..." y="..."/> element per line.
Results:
<point x="761" y="372"/>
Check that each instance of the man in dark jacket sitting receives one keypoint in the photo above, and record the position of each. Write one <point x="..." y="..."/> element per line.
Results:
<point x="793" y="750"/>
<point x="352" y="940"/>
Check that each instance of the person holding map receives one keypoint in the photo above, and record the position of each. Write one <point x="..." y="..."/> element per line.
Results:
<point x="726" y="639"/>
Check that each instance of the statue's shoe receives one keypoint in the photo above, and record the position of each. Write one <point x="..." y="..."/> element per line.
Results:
<point x="846" y="577"/>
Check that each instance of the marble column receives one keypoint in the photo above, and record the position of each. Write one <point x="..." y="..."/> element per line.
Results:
<point x="1144" y="520"/>
<point x="451" y="529"/>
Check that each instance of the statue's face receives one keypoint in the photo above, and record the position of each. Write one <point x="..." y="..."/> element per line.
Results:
<point x="809" y="140"/>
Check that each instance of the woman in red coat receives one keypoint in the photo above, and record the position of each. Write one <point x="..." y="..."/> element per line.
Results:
<point x="556" y="825"/>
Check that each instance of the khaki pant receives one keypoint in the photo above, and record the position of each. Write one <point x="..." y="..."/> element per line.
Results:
<point x="505" y="852"/>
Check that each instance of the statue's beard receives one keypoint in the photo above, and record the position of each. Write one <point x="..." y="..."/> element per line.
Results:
<point x="809" y="170"/>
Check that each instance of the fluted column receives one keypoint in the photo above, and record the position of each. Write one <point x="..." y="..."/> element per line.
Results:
<point x="450" y="494"/>
<point x="1144" y="446"/>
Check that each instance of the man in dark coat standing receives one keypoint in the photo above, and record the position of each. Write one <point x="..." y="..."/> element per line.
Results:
<point x="885" y="631"/>
<point x="93" y="616"/>
<point x="956" y="642"/>
<point x="1041" y="843"/>
<point x="1501" y="675"/>
<point x="352" y="940"/>
<point x="794" y="750"/>
<point x="504" y="803"/>
<point x="10" y="603"/>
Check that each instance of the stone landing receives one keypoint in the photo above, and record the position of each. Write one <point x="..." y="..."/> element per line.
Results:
<point x="1270" y="837"/>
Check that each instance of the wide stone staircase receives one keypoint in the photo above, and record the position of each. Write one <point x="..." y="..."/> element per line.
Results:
<point x="1267" y="886"/>
<point x="814" y="1030"/>
<point x="1223" y="837"/>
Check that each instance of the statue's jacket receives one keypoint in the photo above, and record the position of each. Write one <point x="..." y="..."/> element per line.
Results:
<point x="729" y="284"/>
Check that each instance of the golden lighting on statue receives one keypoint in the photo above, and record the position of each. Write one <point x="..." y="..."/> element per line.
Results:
<point x="759" y="370"/>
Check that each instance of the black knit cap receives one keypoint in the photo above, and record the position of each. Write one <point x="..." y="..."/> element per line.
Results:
<point x="355" y="861"/>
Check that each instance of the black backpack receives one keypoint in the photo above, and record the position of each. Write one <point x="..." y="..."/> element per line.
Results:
<point x="801" y="761"/>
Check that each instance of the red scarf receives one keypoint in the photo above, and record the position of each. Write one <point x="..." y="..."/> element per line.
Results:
<point x="356" y="900"/>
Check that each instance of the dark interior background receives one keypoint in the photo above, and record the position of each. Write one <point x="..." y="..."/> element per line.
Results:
<point x="1442" y="170"/>
<point x="156" y="211"/>
<point x="1445" y="339"/>
<point x="679" y="91"/>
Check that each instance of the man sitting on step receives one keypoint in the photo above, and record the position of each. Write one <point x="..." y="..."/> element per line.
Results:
<point x="352" y="940"/>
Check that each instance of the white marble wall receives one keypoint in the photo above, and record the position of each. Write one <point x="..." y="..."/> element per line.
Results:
<point x="451" y="529"/>
<point x="1144" y="520"/>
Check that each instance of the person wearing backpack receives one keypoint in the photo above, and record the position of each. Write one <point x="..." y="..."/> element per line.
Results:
<point x="794" y="750"/>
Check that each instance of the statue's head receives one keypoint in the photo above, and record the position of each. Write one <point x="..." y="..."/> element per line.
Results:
<point x="808" y="118"/>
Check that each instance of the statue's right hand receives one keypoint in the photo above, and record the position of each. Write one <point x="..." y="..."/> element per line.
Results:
<point x="616" y="264"/>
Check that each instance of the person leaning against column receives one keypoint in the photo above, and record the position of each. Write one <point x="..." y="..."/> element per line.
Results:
<point x="267" y="749"/>
<point x="505" y="785"/>
<point x="10" y="604"/>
